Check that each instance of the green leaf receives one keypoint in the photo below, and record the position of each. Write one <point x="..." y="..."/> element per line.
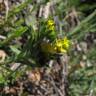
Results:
<point x="81" y="25"/>
<point x="14" y="35"/>
<point x="15" y="50"/>
<point x="19" y="8"/>
<point x="2" y="79"/>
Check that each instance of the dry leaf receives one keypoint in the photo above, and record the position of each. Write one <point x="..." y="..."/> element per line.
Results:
<point x="2" y="55"/>
<point x="82" y="64"/>
<point x="34" y="75"/>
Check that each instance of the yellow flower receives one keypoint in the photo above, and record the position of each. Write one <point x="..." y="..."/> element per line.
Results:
<point x="52" y="28"/>
<point x="66" y="43"/>
<point x="58" y="46"/>
<point x="50" y="22"/>
<point x="58" y="43"/>
<point x="50" y="25"/>
<point x="61" y="45"/>
<point x="63" y="50"/>
<point x="59" y="49"/>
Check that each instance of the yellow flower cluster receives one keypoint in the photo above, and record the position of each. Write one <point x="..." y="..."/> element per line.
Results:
<point x="59" y="46"/>
<point x="50" y="25"/>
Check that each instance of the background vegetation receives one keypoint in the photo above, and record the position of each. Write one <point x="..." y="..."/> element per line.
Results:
<point x="23" y="29"/>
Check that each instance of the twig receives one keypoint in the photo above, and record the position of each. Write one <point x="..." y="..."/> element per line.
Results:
<point x="62" y="60"/>
<point x="57" y="90"/>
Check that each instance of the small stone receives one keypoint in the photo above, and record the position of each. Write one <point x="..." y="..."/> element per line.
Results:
<point x="84" y="46"/>
<point x="82" y="64"/>
<point x="89" y="63"/>
<point x="84" y="57"/>
<point x="78" y="47"/>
